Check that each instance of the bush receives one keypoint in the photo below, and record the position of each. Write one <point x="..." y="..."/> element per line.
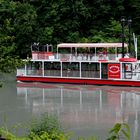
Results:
<point x="47" y="123"/>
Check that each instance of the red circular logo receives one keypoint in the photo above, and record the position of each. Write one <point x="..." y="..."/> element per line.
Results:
<point x="114" y="69"/>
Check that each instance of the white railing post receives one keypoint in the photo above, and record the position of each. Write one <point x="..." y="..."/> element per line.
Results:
<point x="61" y="68"/>
<point x="43" y="68"/>
<point x="25" y="69"/>
<point x="100" y="70"/>
<point x="95" y="55"/>
<point x="80" y="68"/>
<point x="121" y="70"/>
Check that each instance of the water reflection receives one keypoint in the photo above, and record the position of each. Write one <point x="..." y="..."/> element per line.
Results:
<point x="85" y="108"/>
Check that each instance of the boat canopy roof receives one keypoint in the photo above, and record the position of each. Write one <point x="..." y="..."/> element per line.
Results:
<point x="91" y="45"/>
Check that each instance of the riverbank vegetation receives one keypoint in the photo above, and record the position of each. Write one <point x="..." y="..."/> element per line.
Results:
<point x="48" y="128"/>
<point x="27" y="21"/>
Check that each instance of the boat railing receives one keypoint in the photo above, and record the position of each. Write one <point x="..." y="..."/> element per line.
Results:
<point x="43" y="56"/>
<point x="88" y="57"/>
<point x="21" y="72"/>
<point x="74" y="57"/>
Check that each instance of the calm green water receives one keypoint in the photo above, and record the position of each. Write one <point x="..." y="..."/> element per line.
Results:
<point x="85" y="110"/>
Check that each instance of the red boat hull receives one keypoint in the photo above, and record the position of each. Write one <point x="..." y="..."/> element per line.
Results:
<point x="79" y="81"/>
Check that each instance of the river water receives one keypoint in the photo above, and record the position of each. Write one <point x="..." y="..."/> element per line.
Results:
<point x="83" y="110"/>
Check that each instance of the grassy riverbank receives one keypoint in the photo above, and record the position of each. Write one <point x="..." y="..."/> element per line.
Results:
<point x="48" y="128"/>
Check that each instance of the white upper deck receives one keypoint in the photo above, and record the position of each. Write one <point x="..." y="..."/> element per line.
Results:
<point x="77" y="56"/>
<point x="91" y="45"/>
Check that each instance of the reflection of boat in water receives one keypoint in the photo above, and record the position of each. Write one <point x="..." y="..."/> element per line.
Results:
<point x="78" y="92"/>
<point x="108" y="89"/>
<point x="83" y="105"/>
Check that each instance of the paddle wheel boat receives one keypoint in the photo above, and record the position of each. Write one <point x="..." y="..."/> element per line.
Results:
<point x="81" y="63"/>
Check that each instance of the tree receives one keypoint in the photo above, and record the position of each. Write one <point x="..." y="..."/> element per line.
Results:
<point x="25" y="27"/>
<point x="8" y="59"/>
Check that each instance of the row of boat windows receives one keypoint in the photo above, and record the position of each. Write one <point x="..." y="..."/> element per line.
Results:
<point x="72" y="69"/>
<point x="65" y="66"/>
<point x="85" y="66"/>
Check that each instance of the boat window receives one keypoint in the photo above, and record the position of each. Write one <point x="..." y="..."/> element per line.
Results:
<point x="34" y="68"/>
<point x="52" y="69"/>
<point x="104" y="70"/>
<point x="90" y="70"/>
<point x="70" y="69"/>
<point x="127" y="70"/>
<point x="34" y="65"/>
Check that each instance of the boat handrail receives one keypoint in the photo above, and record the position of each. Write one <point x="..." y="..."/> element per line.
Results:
<point x="74" y="57"/>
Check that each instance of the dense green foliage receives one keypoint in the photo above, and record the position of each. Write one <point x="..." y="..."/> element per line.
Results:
<point x="47" y="123"/>
<point x="23" y="22"/>
<point x="42" y="136"/>
<point x="120" y="131"/>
